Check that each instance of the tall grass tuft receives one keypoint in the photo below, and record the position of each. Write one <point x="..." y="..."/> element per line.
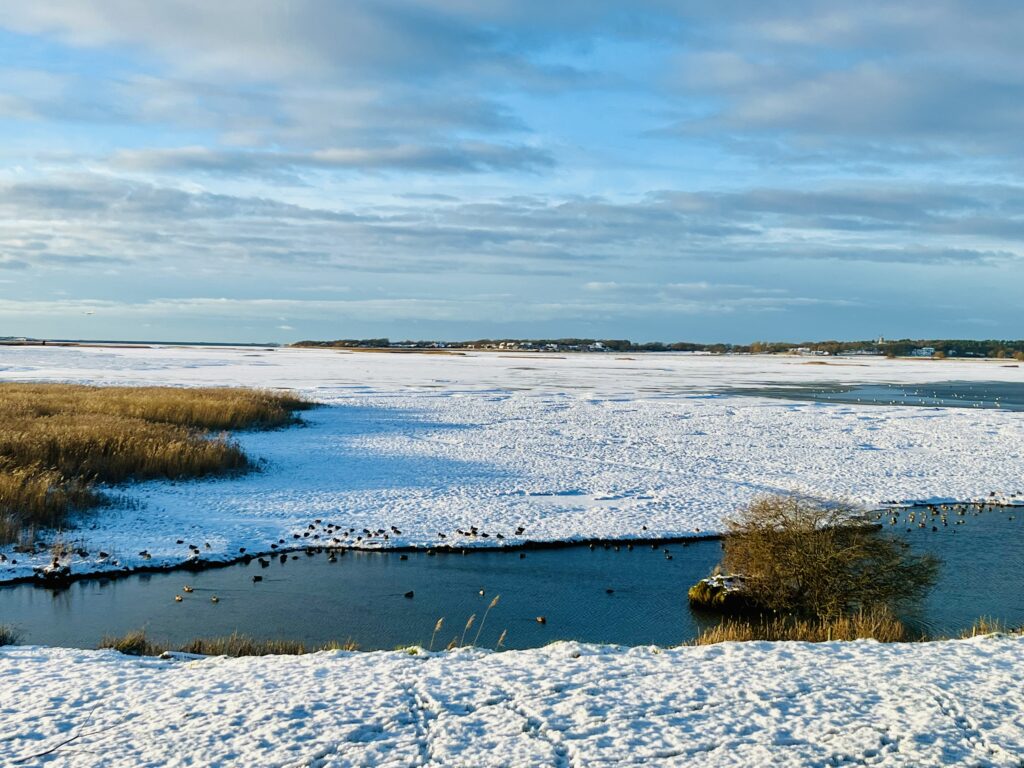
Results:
<point x="483" y="621"/>
<point x="9" y="635"/>
<point x="469" y="625"/>
<point x="437" y="628"/>
<point x="58" y="440"/>
<point x="876" y="625"/>
<point x="132" y="644"/>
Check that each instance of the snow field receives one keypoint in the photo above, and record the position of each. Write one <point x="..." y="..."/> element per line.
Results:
<point x="616" y="453"/>
<point x="753" y="704"/>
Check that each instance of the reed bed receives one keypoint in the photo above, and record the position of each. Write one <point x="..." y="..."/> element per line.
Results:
<point x="58" y="440"/>
<point x="989" y="626"/>
<point x="880" y="626"/>
<point x="138" y="644"/>
<point x="875" y="625"/>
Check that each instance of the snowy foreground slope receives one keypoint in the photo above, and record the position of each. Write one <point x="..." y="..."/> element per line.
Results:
<point x="564" y="448"/>
<point x="754" y="704"/>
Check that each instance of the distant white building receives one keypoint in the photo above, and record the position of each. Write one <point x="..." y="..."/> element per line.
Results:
<point x="923" y="352"/>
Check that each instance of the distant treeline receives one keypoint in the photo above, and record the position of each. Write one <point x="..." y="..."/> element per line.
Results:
<point x="1000" y="348"/>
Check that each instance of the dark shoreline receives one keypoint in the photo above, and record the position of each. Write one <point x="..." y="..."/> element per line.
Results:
<point x="196" y="565"/>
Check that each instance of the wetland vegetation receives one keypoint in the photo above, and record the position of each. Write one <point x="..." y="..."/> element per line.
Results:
<point x="59" y="442"/>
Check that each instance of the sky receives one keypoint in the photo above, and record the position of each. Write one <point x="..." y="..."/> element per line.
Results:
<point x="272" y="170"/>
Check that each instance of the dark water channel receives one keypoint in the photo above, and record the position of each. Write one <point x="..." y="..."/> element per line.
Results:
<point x="361" y="596"/>
<point x="1007" y="396"/>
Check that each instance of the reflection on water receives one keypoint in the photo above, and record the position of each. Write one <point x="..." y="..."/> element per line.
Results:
<point x="361" y="596"/>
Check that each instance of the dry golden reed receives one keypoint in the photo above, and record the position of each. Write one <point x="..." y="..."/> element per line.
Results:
<point x="876" y="625"/>
<point x="58" y="440"/>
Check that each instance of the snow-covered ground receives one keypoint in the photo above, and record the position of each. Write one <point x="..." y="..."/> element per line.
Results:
<point x="756" y="704"/>
<point x="562" y="447"/>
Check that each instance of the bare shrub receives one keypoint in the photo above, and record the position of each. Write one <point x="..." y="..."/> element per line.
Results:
<point x="809" y="560"/>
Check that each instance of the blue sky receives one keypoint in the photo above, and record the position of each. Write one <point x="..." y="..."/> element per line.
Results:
<point x="262" y="170"/>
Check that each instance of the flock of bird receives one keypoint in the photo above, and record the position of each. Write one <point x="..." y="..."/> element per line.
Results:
<point x="934" y="515"/>
<point x="319" y="536"/>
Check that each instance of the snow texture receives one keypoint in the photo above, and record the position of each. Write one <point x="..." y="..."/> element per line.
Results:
<point x="559" y="447"/>
<point x="753" y="704"/>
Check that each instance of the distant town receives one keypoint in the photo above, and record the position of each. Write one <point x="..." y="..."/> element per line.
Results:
<point x="932" y="348"/>
<point x="925" y="348"/>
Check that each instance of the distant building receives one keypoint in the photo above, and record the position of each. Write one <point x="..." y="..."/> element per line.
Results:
<point x="923" y="352"/>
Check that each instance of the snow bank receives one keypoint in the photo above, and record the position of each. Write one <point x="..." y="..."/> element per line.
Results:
<point x="561" y="448"/>
<point x="779" y="704"/>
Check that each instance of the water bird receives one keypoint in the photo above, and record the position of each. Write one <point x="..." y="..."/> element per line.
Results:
<point x="522" y="555"/>
<point x="410" y="594"/>
<point x="542" y="620"/>
<point x="187" y="589"/>
<point x="257" y="578"/>
<point x="403" y="557"/>
<point x="481" y="593"/>
<point x="609" y="591"/>
<point x="178" y="598"/>
<point x="214" y="599"/>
